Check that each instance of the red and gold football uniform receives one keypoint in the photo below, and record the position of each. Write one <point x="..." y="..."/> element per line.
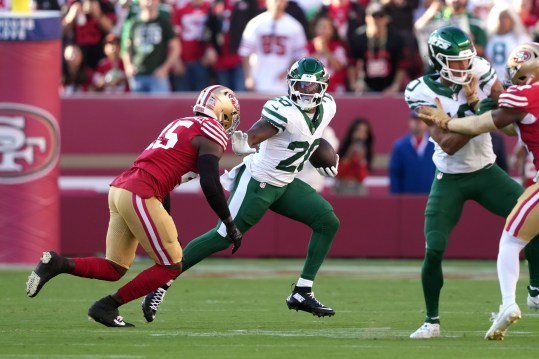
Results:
<point x="523" y="222"/>
<point x="136" y="211"/>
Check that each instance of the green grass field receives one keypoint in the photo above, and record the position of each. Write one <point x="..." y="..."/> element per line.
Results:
<point x="236" y="309"/>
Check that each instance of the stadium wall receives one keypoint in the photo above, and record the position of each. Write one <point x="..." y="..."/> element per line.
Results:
<point x="101" y="137"/>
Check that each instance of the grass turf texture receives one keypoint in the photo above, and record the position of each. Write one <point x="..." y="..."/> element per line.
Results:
<point x="236" y="309"/>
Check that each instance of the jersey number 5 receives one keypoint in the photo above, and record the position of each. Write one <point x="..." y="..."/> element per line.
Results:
<point x="168" y="137"/>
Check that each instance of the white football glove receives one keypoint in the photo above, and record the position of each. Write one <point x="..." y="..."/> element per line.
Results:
<point x="240" y="146"/>
<point x="329" y="171"/>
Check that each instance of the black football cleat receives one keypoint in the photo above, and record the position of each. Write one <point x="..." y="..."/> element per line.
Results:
<point x="105" y="312"/>
<point x="151" y="302"/>
<point x="305" y="301"/>
<point x="50" y="265"/>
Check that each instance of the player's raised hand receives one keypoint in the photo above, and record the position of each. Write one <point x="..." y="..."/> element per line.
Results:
<point x="435" y="115"/>
<point x="240" y="144"/>
<point x="470" y="90"/>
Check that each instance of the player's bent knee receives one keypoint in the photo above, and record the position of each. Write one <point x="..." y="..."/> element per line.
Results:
<point x="120" y="271"/>
<point x="436" y="241"/>
<point x="328" y="223"/>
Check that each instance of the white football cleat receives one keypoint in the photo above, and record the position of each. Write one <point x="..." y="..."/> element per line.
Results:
<point x="507" y="315"/>
<point x="533" y="302"/>
<point x="426" y="331"/>
<point x="533" y="298"/>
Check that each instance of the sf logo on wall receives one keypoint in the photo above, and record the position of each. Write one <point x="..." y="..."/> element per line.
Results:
<point x="29" y="143"/>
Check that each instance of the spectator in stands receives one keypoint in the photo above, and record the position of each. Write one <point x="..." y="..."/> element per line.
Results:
<point x="505" y="31"/>
<point x="378" y="61"/>
<point x="86" y="23"/>
<point x="327" y="47"/>
<point x="411" y="169"/>
<point x="455" y="14"/>
<point x="293" y="9"/>
<point x="401" y="13"/>
<point x="271" y="43"/>
<point x="53" y="5"/>
<point x="428" y="21"/>
<point x="109" y="76"/>
<point x="226" y="21"/>
<point x="152" y="48"/>
<point x="191" y="71"/>
<point x="76" y="75"/>
<point x="528" y="11"/>
<point x="355" y="161"/>
<point x="347" y="15"/>
<point x="310" y="7"/>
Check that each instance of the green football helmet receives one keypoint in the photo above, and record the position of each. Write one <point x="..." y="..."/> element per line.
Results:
<point x="447" y="44"/>
<point x="308" y="81"/>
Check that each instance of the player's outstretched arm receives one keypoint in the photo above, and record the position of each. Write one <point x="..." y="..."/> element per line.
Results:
<point x="209" y="153"/>
<point x="243" y="142"/>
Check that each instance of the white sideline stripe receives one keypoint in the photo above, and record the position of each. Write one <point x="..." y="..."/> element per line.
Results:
<point x="100" y="184"/>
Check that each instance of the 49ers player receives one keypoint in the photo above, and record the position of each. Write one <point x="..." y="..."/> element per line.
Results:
<point x="187" y="147"/>
<point x="519" y="109"/>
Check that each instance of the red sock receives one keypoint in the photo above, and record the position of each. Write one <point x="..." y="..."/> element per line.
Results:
<point x="147" y="281"/>
<point x="93" y="267"/>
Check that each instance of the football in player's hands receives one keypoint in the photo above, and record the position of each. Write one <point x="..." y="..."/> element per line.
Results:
<point x="324" y="155"/>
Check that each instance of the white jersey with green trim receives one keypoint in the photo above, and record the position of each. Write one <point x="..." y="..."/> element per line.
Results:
<point x="281" y="157"/>
<point x="478" y="152"/>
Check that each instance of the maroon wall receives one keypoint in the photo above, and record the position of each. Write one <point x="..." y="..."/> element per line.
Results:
<point x="102" y="127"/>
<point x="376" y="226"/>
<point x="371" y="227"/>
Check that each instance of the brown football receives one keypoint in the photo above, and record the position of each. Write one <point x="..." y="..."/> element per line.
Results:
<point x="324" y="155"/>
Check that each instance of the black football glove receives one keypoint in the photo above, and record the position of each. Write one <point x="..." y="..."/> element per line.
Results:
<point x="235" y="236"/>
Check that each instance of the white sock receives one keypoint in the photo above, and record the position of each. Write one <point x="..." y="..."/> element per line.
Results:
<point x="304" y="283"/>
<point x="508" y="266"/>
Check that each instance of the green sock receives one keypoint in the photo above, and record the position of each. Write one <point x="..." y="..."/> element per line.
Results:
<point x="433" y="280"/>
<point x="321" y="238"/>
<point x="531" y="252"/>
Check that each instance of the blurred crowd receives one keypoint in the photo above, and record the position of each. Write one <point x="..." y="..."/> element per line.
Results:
<point x="160" y="46"/>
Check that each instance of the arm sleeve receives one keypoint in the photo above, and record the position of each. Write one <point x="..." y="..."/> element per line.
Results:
<point x="208" y="169"/>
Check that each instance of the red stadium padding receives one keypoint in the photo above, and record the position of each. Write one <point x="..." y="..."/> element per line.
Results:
<point x="371" y="227"/>
<point x="102" y="135"/>
<point x="30" y="49"/>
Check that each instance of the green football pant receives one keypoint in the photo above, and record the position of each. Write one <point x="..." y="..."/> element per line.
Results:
<point x="494" y="190"/>
<point x="248" y="203"/>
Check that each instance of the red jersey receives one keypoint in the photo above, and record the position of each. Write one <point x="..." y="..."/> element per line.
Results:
<point x="170" y="159"/>
<point x="337" y="83"/>
<point x="189" y="24"/>
<point x="525" y="98"/>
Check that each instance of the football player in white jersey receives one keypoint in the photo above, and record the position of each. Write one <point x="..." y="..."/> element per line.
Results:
<point x="287" y="133"/>
<point x="270" y="43"/>
<point x="465" y="165"/>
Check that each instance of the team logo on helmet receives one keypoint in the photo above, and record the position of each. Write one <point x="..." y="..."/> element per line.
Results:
<point x="234" y="101"/>
<point x="439" y="42"/>
<point x="522" y="56"/>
